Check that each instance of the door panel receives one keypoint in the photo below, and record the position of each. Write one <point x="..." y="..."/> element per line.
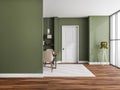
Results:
<point x="70" y="43"/>
<point x="118" y="53"/>
<point x="112" y="53"/>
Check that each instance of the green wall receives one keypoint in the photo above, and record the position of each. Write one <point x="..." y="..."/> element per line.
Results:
<point x="56" y="38"/>
<point x="48" y="23"/>
<point x="21" y="36"/>
<point x="83" y="36"/>
<point x="98" y="32"/>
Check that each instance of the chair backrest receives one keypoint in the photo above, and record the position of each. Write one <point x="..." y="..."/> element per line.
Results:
<point x="48" y="55"/>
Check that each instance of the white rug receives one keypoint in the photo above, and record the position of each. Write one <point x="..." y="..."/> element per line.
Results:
<point x="68" y="70"/>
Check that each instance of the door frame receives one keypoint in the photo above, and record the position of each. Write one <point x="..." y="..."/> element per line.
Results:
<point x="77" y="41"/>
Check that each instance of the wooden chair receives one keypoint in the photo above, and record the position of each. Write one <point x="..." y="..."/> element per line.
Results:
<point x="48" y="57"/>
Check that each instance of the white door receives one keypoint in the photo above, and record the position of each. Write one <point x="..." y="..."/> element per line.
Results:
<point x="70" y="43"/>
<point x="115" y="40"/>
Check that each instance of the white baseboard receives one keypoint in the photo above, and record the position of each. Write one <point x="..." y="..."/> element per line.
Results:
<point x="83" y="61"/>
<point x="21" y="75"/>
<point x="98" y="63"/>
<point x="60" y="61"/>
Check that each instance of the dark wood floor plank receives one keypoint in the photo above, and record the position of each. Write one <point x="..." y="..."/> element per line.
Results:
<point x="107" y="78"/>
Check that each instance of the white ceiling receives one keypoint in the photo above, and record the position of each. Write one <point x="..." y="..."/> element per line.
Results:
<point x="79" y="8"/>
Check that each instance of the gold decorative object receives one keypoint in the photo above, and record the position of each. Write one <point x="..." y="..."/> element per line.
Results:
<point x="103" y="45"/>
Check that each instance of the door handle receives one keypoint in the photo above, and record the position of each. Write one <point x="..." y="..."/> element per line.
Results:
<point x="62" y="48"/>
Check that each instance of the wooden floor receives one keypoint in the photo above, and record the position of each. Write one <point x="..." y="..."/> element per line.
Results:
<point x="107" y="78"/>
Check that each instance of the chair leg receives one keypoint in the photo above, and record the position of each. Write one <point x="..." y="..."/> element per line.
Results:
<point x="44" y="64"/>
<point x="51" y="66"/>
